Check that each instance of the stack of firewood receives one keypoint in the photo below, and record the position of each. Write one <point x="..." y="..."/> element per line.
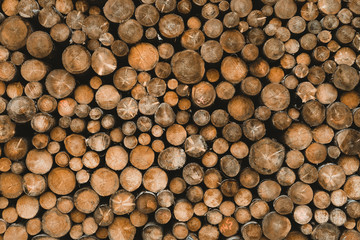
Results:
<point x="190" y="119"/>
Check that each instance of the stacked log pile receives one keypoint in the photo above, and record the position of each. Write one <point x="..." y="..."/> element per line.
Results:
<point x="190" y="119"/>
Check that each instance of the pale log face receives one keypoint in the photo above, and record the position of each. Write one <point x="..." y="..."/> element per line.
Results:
<point x="189" y="119"/>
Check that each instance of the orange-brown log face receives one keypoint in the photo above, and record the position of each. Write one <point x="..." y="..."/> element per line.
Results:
<point x="189" y="119"/>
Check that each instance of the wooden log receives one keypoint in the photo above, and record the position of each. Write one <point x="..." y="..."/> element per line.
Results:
<point x="325" y="230"/>
<point x="9" y="30"/>
<point x="212" y="178"/>
<point x="201" y="118"/>
<point x="228" y="227"/>
<point x="283" y="205"/>
<point x="253" y="129"/>
<point x="321" y="216"/>
<point x="5" y="164"/>
<point x="259" y="208"/>
<point x="232" y="132"/>
<point x="251" y="230"/>
<point x="349" y="187"/>
<point x="352" y="209"/>
<point x="147" y="15"/>
<point x="119" y="48"/>
<point x="146" y="202"/>
<point x="102" y="97"/>
<point x="243" y="197"/>
<point x="11" y="186"/>
<point x="152" y="231"/>
<point x="162" y="215"/>
<point x="318" y="150"/>
<point x="337" y="217"/>
<point x="61" y="175"/>
<point x="16" y="231"/>
<point x="130" y="142"/>
<point x="10" y="215"/>
<point x="95" y="25"/>
<point x="193" y="173"/>
<point x="188" y="67"/>
<point x="349" y="234"/>
<point x="241" y="7"/>
<point x="16" y="148"/>
<point x="171" y="25"/>
<point x="103" y="62"/>
<point x="62" y="223"/>
<point x="210" y="11"/>
<point x="33" y="226"/>
<point x="106" y="39"/>
<point x="213" y="28"/>
<point x="14" y="90"/>
<point x="298" y="130"/>
<point x="138" y="219"/>
<point x="59" y="83"/>
<point x="33" y="184"/>
<point x="251" y="86"/>
<point x="192" y="39"/>
<point x="121" y="228"/>
<point x="76" y="59"/>
<point x="268" y="190"/>
<point x="78" y="37"/>
<point x="228" y="66"/>
<point x="195" y="146"/>
<point x="281" y="120"/>
<point x="194" y="224"/>
<point x="308" y="173"/>
<point x="177" y="185"/>
<point x="260" y="159"/>
<point x="243" y="103"/>
<point x="142" y="157"/>
<point x="203" y="94"/>
<point x="33" y="90"/>
<point x="21" y="109"/>
<point x="60" y="32"/>
<point x="76" y="231"/>
<point x="65" y="204"/>
<point x="184" y="6"/>
<point x="165" y="198"/>
<point x="227" y="208"/>
<point x="18" y="167"/>
<point x="342" y="79"/>
<point x="249" y="178"/>
<point x="276" y="226"/>
<point x="86" y="200"/>
<point x="300" y="193"/>
<point x="101" y="179"/>
<point x="113" y="8"/>
<point x="130" y="31"/>
<point x="164" y="115"/>
<point x="228" y="38"/>
<point x="172" y="158"/>
<point x="139" y="53"/>
<point x="130" y="179"/>
<point x="275" y="96"/>
<point x="339" y="116"/>
<point x="345" y="34"/>
<point x="82" y="176"/>
<point x="152" y="183"/>
<point x="89" y="226"/>
<point x="230" y="165"/>
<point x="27" y="207"/>
<point x="17" y="58"/>
<point x="270" y="46"/>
